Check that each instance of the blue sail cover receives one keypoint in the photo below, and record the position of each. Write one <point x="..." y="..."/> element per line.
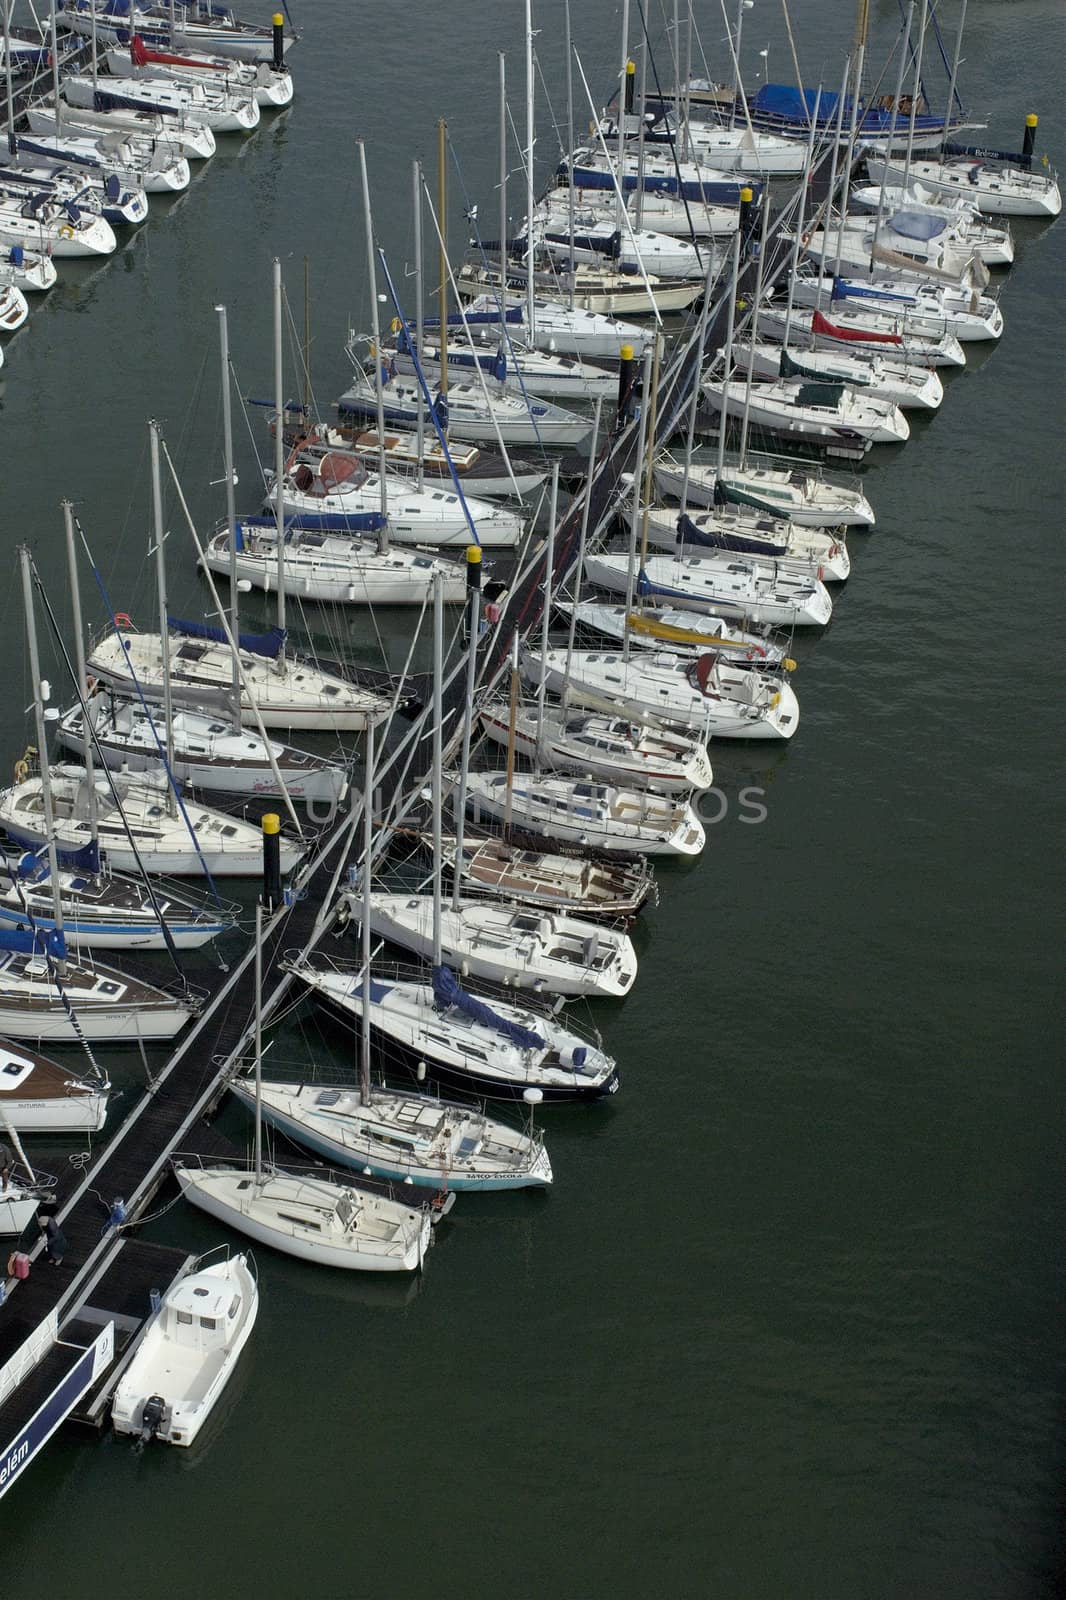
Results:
<point x="784" y="100"/>
<point x="843" y="289"/>
<point x="34" y="864"/>
<point x="257" y="644"/>
<point x="917" y="224"/>
<point x="35" y="941"/>
<point x="447" y="992"/>
<point x="718" y="539"/>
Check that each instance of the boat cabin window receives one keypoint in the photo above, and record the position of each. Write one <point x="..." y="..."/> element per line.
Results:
<point x="299" y="1222"/>
<point x="234" y="1306"/>
<point x="209" y="1323"/>
<point x="185" y="1316"/>
<point x="105" y="987"/>
<point x="192" y="652"/>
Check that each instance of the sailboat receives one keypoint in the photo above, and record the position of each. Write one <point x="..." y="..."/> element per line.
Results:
<point x="388" y="1132"/>
<point x="598" y="745"/>
<point x="40" y="1096"/>
<point x="742" y="587"/>
<point x="42" y="994"/>
<point x="127" y="157"/>
<point x="595" y="816"/>
<point x="849" y="328"/>
<point x="860" y="367"/>
<point x="994" y="246"/>
<point x="482" y="472"/>
<point x="811" y="409"/>
<point x="684" y="632"/>
<point x="919" y="305"/>
<point x="996" y="188"/>
<point x="191" y="25"/>
<point x="741" y="530"/>
<point x="805" y="497"/>
<point x="595" y="889"/>
<point x="270" y="86"/>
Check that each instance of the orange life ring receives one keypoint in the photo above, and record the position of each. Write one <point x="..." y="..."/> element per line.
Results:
<point x="122" y="619"/>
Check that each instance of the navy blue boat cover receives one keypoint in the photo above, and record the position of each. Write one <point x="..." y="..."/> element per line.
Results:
<point x="447" y="992"/>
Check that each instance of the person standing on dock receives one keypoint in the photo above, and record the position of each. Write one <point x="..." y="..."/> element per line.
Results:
<point x="55" y="1240"/>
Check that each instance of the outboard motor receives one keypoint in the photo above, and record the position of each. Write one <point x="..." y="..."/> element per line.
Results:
<point x="152" y="1416"/>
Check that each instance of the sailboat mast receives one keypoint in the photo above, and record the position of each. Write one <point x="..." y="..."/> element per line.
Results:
<point x="258" y="1041"/>
<point x="231" y="502"/>
<point x="642" y="430"/>
<point x="727" y="368"/>
<point x="368" y="853"/>
<point x="833" y="163"/>
<point x="916" y="93"/>
<point x="442" y="212"/>
<point x="754" y="332"/>
<point x="801" y="217"/>
<point x="886" y="176"/>
<point x="438" y="757"/>
<point x="694" y="399"/>
<point x="849" y="157"/>
<point x="545" y="617"/>
<point x="161" y="593"/>
<point x="42" y="740"/>
<point x="503" y="189"/>
<point x="473" y="589"/>
<point x="512" y="720"/>
<point x="952" y="81"/>
<point x="375" y="334"/>
<point x="279" y="460"/>
<point x="571" y="263"/>
<point x="58" y="98"/>
<point x="8" y="90"/>
<point x="734" y="47"/>
<point x="583" y="536"/>
<point x="530" y="133"/>
<point x="623" y="86"/>
<point x="79" y="661"/>
<point x="420" y="423"/>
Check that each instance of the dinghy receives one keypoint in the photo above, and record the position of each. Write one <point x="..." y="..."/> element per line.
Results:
<point x="187" y="1353"/>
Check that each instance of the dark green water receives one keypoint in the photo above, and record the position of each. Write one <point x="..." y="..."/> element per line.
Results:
<point x="789" y="1323"/>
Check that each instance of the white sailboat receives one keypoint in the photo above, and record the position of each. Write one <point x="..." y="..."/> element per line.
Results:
<point x="706" y="696"/>
<point x="468" y="413"/>
<point x="188" y="1353"/>
<point x="919" y="305"/>
<point x="631" y="754"/>
<point x="808" y="408"/>
<point x="310" y="1217"/>
<point x="684" y="632"/>
<point x="995" y="188"/>
<point x="553" y="325"/>
<point x="40" y="1096"/>
<point x="848" y="328"/>
<point x="742" y="530"/>
<point x="596" y="816"/>
<point x="271" y="87"/>
<point x="614" y="891"/>
<point x="806" y="498"/>
<point x="909" y="387"/>
<point x="994" y="246"/>
<point x="743" y="587"/>
<point x="330" y="567"/>
<point x="53" y="227"/>
<point x="171" y="139"/>
<point x="191" y="25"/>
<point x="215" y="107"/>
<point x="127" y="157"/>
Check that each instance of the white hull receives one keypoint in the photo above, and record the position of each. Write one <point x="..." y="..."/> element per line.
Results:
<point x="633" y="823"/>
<point x="918" y="306"/>
<point x="78" y="1112"/>
<point x="187" y="103"/>
<point x="192" y="141"/>
<point x="93" y="237"/>
<point x="335" y="570"/>
<point x="809" y="502"/>
<point x="17" y="1210"/>
<point x="908" y="387"/>
<point x="777" y="406"/>
<point x="915" y="348"/>
<point x="510" y="418"/>
<point x="743" y="589"/>
<point x="133" y="158"/>
<point x="996" y="191"/>
<point x="188" y="1353"/>
<point x="809" y="549"/>
<point x="567" y="747"/>
<point x="281" y="1212"/>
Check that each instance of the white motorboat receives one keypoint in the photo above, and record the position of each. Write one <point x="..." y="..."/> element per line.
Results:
<point x="614" y="891"/>
<point x="43" y="996"/>
<point x="897" y="384"/>
<point x="554" y="953"/>
<point x="40" y="1096"/>
<point x="996" y="189"/>
<point x="332" y="568"/>
<point x="328" y="1224"/>
<point x="498" y="1049"/>
<point x="595" y="816"/>
<point x="220" y="109"/>
<point x="588" y="334"/>
<point x="128" y="157"/>
<point x="467" y="413"/>
<point x="848" y="328"/>
<point x="741" y="530"/>
<point x="684" y="632"/>
<point x="271" y="87"/>
<point x="761" y="591"/>
<point x="173" y="135"/>
<point x="288" y="691"/>
<point x="806" y="407"/>
<point x="208" y="752"/>
<point x="187" y="1353"/>
<point x="189" y="26"/>
<point x="805" y="498"/>
<point x="139" y="831"/>
<point x="706" y="696"/>
<point x="335" y="490"/>
<point x="631" y="754"/>
<point x="606" y="290"/>
<point x="938" y="307"/>
<point x="400" y="1134"/>
<point x="106" y="911"/>
<point x="52" y="227"/>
